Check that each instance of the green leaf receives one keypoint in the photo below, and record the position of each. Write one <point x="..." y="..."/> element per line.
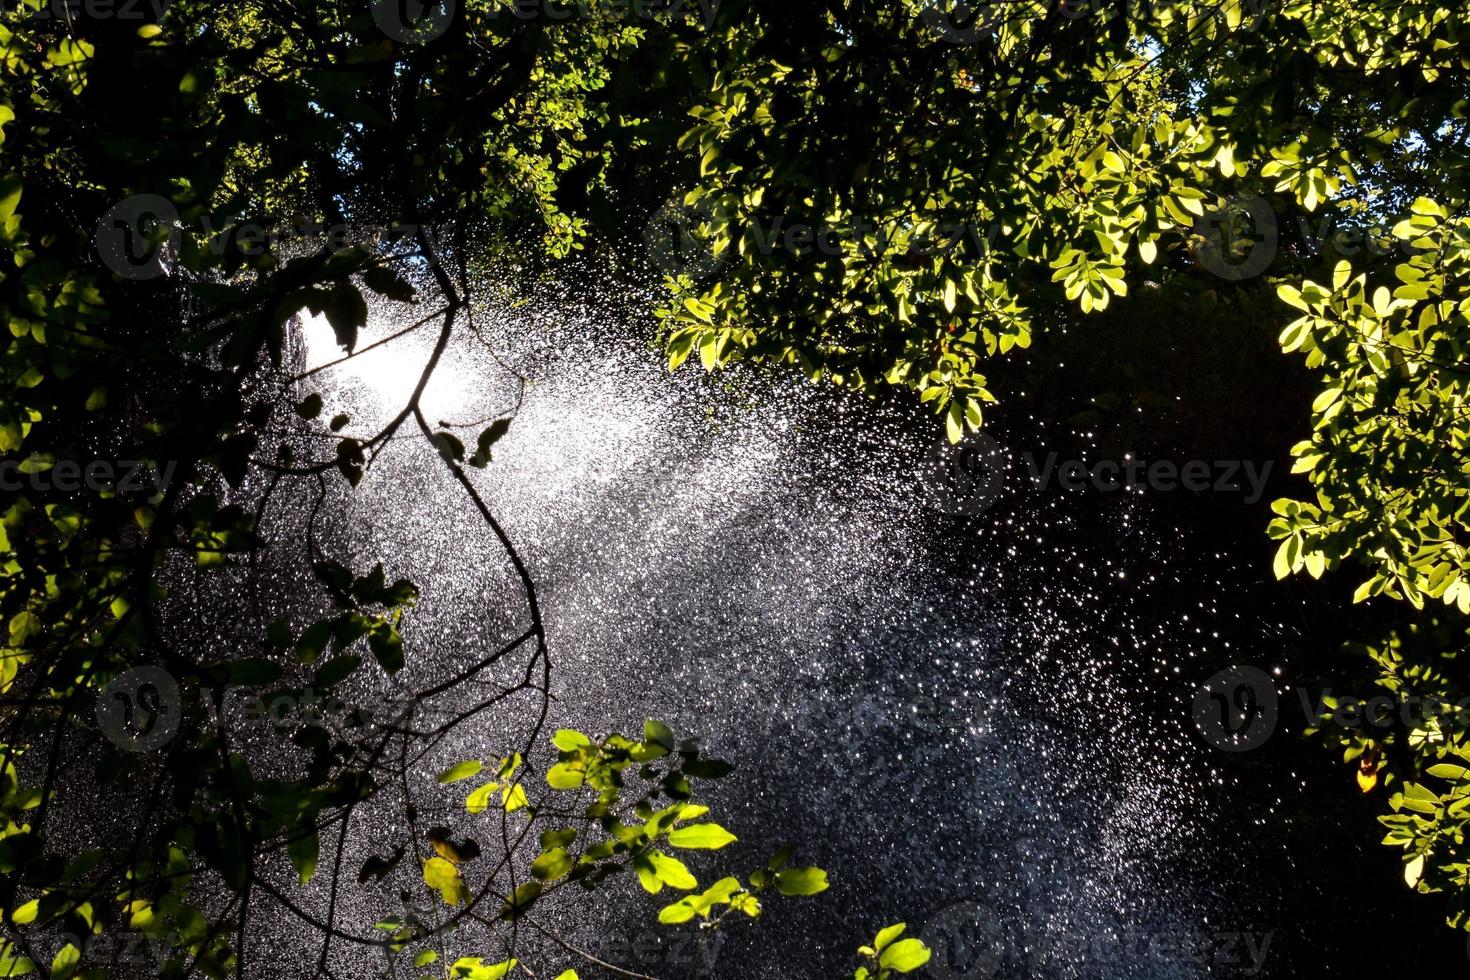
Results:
<point x="569" y="740"/>
<point x="671" y="871"/>
<point x="887" y="935"/>
<point x="12" y="963"/>
<point x="479" y="800"/>
<point x="1414" y="871"/>
<point x="475" y="968"/>
<point x="904" y="956"/>
<point x="1281" y="565"/>
<point x="802" y="881"/>
<point x="461" y="770"/>
<point x="557" y="838"/>
<point x="709" y="350"/>
<point x="658" y="733"/>
<point x="701" y="837"/>
<point x="523" y="898"/>
<point x="65" y="962"/>
<point x="23" y="626"/>
<point x="563" y="776"/>
<point x="314" y="640"/>
<point x="954" y="421"/>
<point x="444" y="878"/>
<point x="9" y="196"/>
<point x="278" y="634"/>
<point x="680" y="347"/>
<point x="387" y="647"/>
<point x="551" y="865"/>
<point x="335" y="671"/>
<point x="304" y="850"/>
<point x="515" y="799"/>
<point x="682" y="911"/>
<point x="647" y="876"/>
<point x="708" y="769"/>
<point x="678" y="913"/>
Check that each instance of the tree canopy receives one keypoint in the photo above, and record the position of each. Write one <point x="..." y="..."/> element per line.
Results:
<point x="878" y="195"/>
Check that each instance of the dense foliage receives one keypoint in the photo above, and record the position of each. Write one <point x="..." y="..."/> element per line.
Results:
<point x="874" y="194"/>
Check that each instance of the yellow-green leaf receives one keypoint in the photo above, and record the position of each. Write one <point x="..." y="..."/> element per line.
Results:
<point x="444" y="878"/>
<point x="461" y="770"/>
<point x="701" y="837"/>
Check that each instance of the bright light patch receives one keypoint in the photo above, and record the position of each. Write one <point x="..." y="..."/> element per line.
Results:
<point x="380" y="382"/>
